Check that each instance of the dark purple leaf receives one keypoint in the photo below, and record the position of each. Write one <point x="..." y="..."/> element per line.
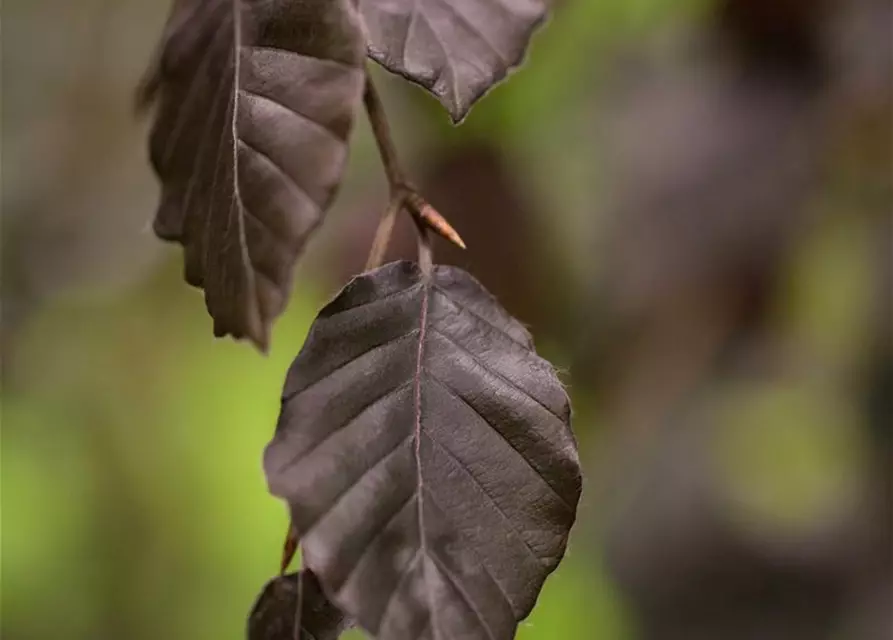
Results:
<point x="426" y="455"/>
<point x="456" y="49"/>
<point x="248" y="167"/>
<point x="274" y="614"/>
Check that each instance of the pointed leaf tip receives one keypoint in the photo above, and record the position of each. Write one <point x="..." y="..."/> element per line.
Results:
<point x="249" y="141"/>
<point x="456" y="49"/>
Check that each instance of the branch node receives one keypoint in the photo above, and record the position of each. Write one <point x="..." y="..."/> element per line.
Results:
<point x="402" y="194"/>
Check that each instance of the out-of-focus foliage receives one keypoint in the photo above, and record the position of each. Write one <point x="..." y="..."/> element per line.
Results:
<point x="725" y="431"/>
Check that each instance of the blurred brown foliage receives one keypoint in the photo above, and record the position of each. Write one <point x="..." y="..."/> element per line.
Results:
<point x="690" y="209"/>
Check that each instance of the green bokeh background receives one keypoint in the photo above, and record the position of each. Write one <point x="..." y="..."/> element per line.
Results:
<point x="133" y="499"/>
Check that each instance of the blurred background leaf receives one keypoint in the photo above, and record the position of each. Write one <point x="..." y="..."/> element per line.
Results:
<point x="689" y="203"/>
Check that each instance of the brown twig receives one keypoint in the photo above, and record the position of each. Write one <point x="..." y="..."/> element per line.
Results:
<point x="383" y="233"/>
<point x="289" y="547"/>
<point x="382" y="132"/>
<point x="402" y="194"/>
<point x="426" y="259"/>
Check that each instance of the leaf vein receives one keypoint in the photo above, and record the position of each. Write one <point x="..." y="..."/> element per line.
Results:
<point x="191" y="94"/>
<point x="417" y="443"/>
<point x="406" y="35"/>
<point x="277" y="239"/>
<point x="304" y="195"/>
<point x="406" y="571"/>
<point x="353" y="485"/>
<point x="375" y="301"/>
<point x="461" y="589"/>
<point x="444" y="571"/>
<point x="381" y="529"/>
<point x="253" y="291"/>
<point x="503" y="60"/>
<point x="484" y="365"/>
<point x="444" y="294"/>
<point x="289" y="52"/>
<point x="383" y="345"/>
<point x="390" y="393"/>
<point x="304" y="117"/>
<point x="459" y="397"/>
<point x="486" y="494"/>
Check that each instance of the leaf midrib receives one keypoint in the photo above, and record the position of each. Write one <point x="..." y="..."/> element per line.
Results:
<point x="247" y="266"/>
<point x="417" y="445"/>
<point x="422" y="490"/>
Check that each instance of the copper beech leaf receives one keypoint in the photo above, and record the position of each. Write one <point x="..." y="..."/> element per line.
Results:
<point x="456" y="49"/>
<point x="274" y="614"/>
<point x="254" y="102"/>
<point x="426" y="455"/>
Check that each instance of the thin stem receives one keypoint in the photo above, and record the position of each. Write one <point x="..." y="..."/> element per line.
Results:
<point x="402" y="194"/>
<point x="382" y="132"/>
<point x="426" y="260"/>
<point x="383" y="233"/>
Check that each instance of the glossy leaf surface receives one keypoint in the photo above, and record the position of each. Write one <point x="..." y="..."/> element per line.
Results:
<point x="426" y="455"/>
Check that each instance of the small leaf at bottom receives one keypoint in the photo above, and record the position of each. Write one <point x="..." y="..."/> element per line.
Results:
<point x="273" y="615"/>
